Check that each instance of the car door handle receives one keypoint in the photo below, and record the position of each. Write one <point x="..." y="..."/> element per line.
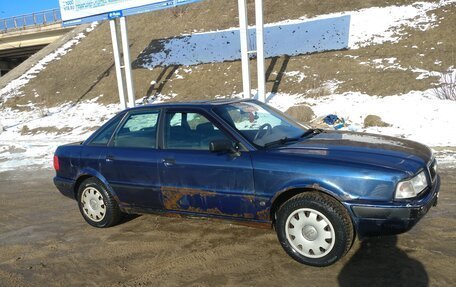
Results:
<point x="168" y="162"/>
<point x="109" y="158"/>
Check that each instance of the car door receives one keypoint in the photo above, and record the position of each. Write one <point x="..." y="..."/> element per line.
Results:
<point x="196" y="180"/>
<point x="130" y="162"/>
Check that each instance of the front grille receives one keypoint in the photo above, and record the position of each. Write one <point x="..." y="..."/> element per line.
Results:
<point x="432" y="170"/>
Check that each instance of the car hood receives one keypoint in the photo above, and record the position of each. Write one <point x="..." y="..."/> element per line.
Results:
<point x="363" y="148"/>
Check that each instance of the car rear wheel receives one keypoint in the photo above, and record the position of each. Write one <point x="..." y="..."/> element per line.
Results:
<point x="97" y="205"/>
<point x="314" y="229"/>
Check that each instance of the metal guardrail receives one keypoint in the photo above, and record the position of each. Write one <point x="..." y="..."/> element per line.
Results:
<point x="42" y="18"/>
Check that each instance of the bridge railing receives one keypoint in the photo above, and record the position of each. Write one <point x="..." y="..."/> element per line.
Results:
<point x="42" y="18"/>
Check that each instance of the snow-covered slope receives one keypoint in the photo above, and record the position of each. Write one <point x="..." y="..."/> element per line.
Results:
<point x="29" y="136"/>
<point x="370" y="26"/>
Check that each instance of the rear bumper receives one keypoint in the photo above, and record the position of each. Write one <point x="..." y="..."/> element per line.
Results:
<point x="374" y="220"/>
<point x="65" y="186"/>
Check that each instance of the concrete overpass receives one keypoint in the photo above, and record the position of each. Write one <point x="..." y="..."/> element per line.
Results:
<point x="23" y="39"/>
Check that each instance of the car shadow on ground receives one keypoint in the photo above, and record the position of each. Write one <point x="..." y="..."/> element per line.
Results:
<point x="380" y="262"/>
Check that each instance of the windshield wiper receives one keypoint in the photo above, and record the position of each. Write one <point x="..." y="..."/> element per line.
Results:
<point x="280" y="141"/>
<point x="311" y="132"/>
<point x="287" y="139"/>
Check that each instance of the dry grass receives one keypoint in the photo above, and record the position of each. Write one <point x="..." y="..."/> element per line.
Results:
<point x="447" y="89"/>
<point x="87" y="71"/>
<point x="179" y="11"/>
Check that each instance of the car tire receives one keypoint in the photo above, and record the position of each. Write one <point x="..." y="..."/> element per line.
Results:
<point x="97" y="205"/>
<point x="314" y="229"/>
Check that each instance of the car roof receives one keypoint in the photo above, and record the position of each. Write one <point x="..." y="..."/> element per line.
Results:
<point x="197" y="103"/>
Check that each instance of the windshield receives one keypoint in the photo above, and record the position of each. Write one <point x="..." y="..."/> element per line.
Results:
<point x="259" y="123"/>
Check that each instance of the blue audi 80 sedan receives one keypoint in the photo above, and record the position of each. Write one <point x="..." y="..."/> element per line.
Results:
<point x="244" y="160"/>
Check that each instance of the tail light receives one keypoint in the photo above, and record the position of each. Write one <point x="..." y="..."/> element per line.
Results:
<point x="56" y="163"/>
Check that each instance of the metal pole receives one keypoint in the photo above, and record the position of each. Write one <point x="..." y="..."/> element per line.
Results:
<point x="127" y="63"/>
<point x="116" y="53"/>
<point x="260" y="50"/>
<point x="243" y="31"/>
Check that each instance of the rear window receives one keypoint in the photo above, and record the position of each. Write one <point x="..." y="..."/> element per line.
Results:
<point x="139" y="131"/>
<point x="105" y="135"/>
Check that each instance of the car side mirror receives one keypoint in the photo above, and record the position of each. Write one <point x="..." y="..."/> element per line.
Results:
<point x="223" y="146"/>
<point x="220" y="146"/>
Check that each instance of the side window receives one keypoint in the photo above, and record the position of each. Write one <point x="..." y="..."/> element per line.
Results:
<point x="139" y="130"/>
<point x="191" y="131"/>
<point x="104" y="136"/>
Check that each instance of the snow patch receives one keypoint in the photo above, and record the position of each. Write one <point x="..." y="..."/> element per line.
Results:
<point x="417" y="115"/>
<point x="335" y="31"/>
<point x="446" y="158"/>
<point x="379" y="25"/>
<point x="424" y="74"/>
<point x="300" y="76"/>
<point x="45" y="130"/>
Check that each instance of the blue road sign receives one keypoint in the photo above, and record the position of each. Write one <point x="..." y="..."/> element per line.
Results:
<point x="115" y="14"/>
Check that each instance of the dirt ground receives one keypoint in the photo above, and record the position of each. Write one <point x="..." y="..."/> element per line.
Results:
<point x="45" y="242"/>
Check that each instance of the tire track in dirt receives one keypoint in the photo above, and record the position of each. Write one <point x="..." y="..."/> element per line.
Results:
<point x="204" y="260"/>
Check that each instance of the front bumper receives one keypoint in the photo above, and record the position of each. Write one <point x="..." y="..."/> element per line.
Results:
<point x="374" y="220"/>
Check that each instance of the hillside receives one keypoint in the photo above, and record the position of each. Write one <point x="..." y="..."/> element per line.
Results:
<point x="399" y="52"/>
<point x="75" y="77"/>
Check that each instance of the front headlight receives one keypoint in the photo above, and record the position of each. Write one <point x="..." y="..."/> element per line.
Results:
<point x="412" y="187"/>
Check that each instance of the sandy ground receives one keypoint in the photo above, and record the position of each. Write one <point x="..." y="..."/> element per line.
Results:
<point x="45" y="242"/>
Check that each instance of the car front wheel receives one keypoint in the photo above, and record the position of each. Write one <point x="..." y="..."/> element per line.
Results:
<point x="314" y="229"/>
<point x="97" y="205"/>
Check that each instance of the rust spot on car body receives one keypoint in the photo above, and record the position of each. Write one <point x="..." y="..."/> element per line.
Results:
<point x="264" y="214"/>
<point x="212" y="203"/>
<point x="172" y="196"/>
